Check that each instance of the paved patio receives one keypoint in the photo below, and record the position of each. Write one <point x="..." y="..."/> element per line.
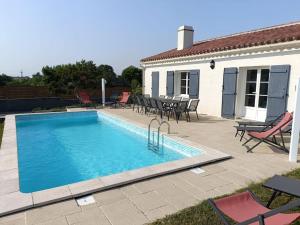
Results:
<point x="146" y="201"/>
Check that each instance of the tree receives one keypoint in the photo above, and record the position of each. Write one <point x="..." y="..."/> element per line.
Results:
<point x="63" y="79"/>
<point x="132" y="73"/>
<point x="136" y="87"/>
<point x="106" y="72"/>
<point x="4" y="79"/>
<point x="37" y="80"/>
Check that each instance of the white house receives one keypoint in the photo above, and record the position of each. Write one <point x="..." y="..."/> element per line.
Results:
<point x="251" y="75"/>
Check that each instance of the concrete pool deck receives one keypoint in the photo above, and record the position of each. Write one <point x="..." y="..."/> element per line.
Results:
<point x="13" y="200"/>
<point x="145" y="201"/>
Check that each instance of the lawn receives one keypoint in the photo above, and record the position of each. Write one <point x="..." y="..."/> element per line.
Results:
<point x="1" y="130"/>
<point x="202" y="214"/>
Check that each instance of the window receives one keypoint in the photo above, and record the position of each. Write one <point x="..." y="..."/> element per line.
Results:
<point x="184" y="83"/>
<point x="263" y="89"/>
<point x="257" y="84"/>
<point x="250" y="88"/>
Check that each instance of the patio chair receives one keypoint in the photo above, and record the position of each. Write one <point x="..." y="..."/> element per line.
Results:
<point x="124" y="99"/>
<point x="177" y="98"/>
<point x="134" y="102"/>
<point x="139" y="103"/>
<point x="244" y="126"/>
<point x="83" y="97"/>
<point x="153" y="106"/>
<point x="160" y="108"/>
<point x="259" y="123"/>
<point x="244" y="129"/>
<point x="245" y="208"/>
<point x="180" y="109"/>
<point x="185" y="99"/>
<point x="146" y="104"/>
<point x="192" y="107"/>
<point x="269" y="136"/>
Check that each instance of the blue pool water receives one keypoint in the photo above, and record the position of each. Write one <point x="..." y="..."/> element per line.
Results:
<point x="63" y="148"/>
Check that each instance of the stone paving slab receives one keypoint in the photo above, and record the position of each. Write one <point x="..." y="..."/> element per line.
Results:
<point x="9" y="164"/>
<point x="92" y="216"/>
<point x="15" y="219"/>
<point x="124" y="212"/>
<point x="124" y="204"/>
<point x="15" y="200"/>
<point x="51" y="212"/>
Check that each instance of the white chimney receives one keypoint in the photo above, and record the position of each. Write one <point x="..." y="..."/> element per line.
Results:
<point x="185" y="37"/>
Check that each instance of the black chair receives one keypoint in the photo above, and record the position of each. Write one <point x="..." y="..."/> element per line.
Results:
<point x="139" y="103"/>
<point x="177" y="98"/>
<point x="185" y="99"/>
<point x="160" y="108"/>
<point x="192" y="107"/>
<point x="133" y="101"/>
<point x="146" y="104"/>
<point x="180" y="108"/>
<point x="153" y="106"/>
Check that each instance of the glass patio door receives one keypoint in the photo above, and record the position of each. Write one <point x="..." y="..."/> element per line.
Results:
<point x="256" y="94"/>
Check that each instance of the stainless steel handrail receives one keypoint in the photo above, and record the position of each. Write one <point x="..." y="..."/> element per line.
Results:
<point x="152" y="145"/>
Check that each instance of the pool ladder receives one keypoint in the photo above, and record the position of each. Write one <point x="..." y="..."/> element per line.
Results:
<point x="152" y="145"/>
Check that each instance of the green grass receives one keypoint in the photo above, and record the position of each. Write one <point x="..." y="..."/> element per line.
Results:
<point x="1" y="130"/>
<point x="202" y="214"/>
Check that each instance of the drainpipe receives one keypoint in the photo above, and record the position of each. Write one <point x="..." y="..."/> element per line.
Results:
<point x="295" y="127"/>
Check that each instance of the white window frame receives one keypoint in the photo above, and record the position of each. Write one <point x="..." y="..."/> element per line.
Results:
<point x="187" y="81"/>
<point x="258" y="83"/>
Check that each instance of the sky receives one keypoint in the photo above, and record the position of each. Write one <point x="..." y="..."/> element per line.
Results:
<point x="36" y="33"/>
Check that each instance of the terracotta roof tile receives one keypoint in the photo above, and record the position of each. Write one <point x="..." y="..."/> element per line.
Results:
<point x="272" y="35"/>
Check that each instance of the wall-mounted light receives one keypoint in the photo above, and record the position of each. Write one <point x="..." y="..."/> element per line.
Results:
<point x="212" y="64"/>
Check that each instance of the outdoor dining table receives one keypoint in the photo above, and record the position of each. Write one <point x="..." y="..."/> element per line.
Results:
<point x="282" y="184"/>
<point x="170" y="101"/>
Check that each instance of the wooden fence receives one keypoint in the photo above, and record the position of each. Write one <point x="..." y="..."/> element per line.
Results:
<point x="21" y="92"/>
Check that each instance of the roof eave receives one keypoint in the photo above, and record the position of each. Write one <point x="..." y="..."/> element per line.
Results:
<point x="277" y="46"/>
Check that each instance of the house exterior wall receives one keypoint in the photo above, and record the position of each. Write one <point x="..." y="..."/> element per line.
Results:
<point x="211" y="81"/>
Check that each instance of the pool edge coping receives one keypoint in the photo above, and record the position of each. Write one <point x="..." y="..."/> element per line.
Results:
<point x="16" y="201"/>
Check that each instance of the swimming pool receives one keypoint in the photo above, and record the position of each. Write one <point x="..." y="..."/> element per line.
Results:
<point x="63" y="148"/>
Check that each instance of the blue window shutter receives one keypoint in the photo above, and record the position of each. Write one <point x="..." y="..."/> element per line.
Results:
<point x="155" y="84"/>
<point x="278" y="90"/>
<point x="229" y="92"/>
<point x="194" y="84"/>
<point x="170" y="83"/>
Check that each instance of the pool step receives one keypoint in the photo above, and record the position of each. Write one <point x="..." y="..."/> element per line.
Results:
<point x="152" y="144"/>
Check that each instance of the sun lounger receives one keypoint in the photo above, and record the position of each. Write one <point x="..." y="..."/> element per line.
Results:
<point x="244" y="126"/>
<point x="83" y="97"/>
<point x="245" y="208"/>
<point x="269" y="136"/>
<point x="241" y="130"/>
<point x="124" y="98"/>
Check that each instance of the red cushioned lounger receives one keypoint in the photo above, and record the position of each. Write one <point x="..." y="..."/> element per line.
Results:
<point x="245" y="208"/>
<point x="269" y="136"/>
